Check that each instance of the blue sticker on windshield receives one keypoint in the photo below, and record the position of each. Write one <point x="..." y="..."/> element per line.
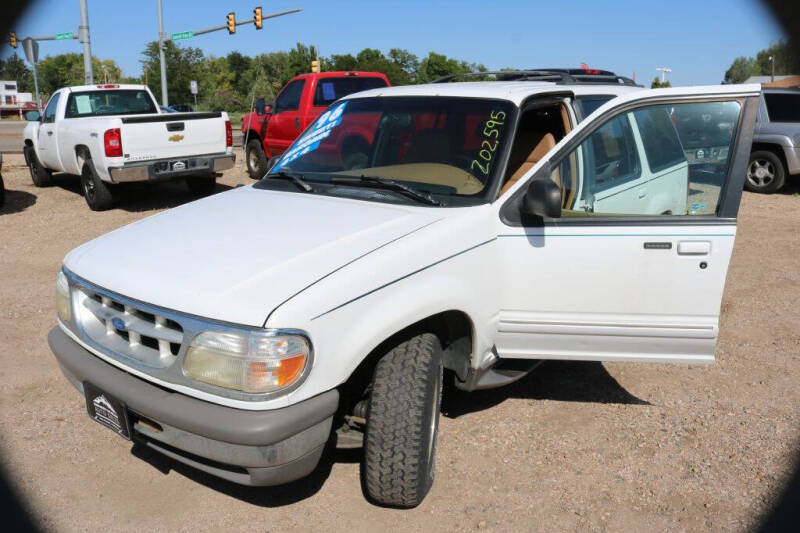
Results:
<point x="698" y="206"/>
<point x="310" y="140"/>
<point x="327" y="91"/>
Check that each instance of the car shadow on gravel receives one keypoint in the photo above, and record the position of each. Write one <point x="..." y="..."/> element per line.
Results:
<point x="139" y="197"/>
<point x="16" y="201"/>
<point x="565" y="381"/>
<point x="277" y="496"/>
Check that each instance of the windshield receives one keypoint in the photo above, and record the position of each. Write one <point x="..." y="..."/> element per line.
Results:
<point x="441" y="146"/>
<point x="112" y="102"/>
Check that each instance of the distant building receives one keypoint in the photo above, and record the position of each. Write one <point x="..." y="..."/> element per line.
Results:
<point x="790" y="80"/>
<point x="12" y="101"/>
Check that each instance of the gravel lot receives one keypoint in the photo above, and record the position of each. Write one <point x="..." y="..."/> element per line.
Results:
<point x="575" y="446"/>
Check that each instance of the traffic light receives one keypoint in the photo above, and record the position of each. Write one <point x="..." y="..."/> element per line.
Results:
<point x="231" y="23"/>
<point x="12" y="39"/>
<point x="315" y="66"/>
<point x="257" y="18"/>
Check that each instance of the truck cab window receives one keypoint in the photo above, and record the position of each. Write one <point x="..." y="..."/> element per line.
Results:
<point x="50" y="110"/>
<point x="289" y="99"/>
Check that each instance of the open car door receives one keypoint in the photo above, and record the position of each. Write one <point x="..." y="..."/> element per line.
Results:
<point x="634" y="268"/>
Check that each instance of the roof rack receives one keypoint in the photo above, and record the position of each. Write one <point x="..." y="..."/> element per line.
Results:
<point x="559" y="76"/>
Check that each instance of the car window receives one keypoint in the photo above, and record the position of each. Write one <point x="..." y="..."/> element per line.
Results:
<point x="110" y="102"/>
<point x="783" y="107"/>
<point x="588" y="104"/>
<point x="329" y="90"/>
<point x="50" y="110"/>
<point x="289" y="98"/>
<point x="655" y="160"/>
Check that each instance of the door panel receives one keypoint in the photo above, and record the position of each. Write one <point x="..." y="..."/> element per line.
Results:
<point x="635" y="281"/>
<point x="48" y="146"/>
<point x="286" y="122"/>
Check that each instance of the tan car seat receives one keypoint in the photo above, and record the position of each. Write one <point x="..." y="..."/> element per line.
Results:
<point x="547" y="143"/>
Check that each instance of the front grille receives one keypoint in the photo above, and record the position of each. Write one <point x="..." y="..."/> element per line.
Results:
<point x="149" y="338"/>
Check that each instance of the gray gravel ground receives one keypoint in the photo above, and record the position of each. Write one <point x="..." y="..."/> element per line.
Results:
<point x="573" y="447"/>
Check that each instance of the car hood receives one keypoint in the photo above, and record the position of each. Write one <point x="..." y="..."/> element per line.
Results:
<point x="236" y="256"/>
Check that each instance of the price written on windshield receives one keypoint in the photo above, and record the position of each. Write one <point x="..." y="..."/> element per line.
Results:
<point x="491" y="134"/>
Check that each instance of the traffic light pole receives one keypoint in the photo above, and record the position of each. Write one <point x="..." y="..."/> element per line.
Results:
<point x="162" y="43"/>
<point x="163" y="39"/>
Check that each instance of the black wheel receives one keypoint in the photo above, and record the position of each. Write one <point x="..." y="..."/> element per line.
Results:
<point x="201" y="185"/>
<point x="402" y="421"/>
<point x="99" y="195"/>
<point x="2" y="192"/>
<point x="765" y="173"/>
<point x="256" y="159"/>
<point x="40" y="176"/>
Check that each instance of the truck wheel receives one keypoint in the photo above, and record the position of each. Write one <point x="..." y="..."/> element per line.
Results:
<point x="402" y="421"/>
<point x="201" y="185"/>
<point x="765" y="174"/>
<point x="98" y="194"/>
<point x="40" y="176"/>
<point x="256" y="159"/>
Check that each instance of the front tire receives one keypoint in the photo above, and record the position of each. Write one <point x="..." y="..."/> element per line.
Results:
<point x="402" y="422"/>
<point x="765" y="173"/>
<point x="40" y="176"/>
<point x="98" y="194"/>
<point x="256" y="159"/>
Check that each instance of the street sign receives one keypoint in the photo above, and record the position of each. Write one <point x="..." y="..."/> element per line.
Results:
<point x="193" y="86"/>
<point x="31" y="50"/>
<point x="63" y="35"/>
<point x="182" y="35"/>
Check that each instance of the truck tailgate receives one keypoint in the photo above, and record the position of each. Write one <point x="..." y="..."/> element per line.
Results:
<point x="169" y="135"/>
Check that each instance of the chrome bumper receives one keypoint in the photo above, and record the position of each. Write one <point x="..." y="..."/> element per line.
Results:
<point x="162" y="168"/>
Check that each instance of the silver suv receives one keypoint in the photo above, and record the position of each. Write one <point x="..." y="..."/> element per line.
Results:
<point x="776" y="141"/>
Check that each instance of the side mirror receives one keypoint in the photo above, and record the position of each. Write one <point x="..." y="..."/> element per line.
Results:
<point x="261" y="107"/>
<point x="542" y="199"/>
<point x="33" y="116"/>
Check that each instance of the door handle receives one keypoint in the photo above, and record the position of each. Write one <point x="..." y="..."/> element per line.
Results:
<point x="297" y="123"/>
<point x="642" y="193"/>
<point x="694" y="247"/>
<point x="50" y="132"/>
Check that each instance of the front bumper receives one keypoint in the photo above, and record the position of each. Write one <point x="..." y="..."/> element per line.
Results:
<point x="161" y="169"/>
<point x="254" y="448"/>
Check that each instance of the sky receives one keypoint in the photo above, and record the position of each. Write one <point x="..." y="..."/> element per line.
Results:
<point x="697" y="39"/>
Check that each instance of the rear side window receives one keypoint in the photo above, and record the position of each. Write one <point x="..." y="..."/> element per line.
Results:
<point x="783" y="107"/>
<point x="331" y="89"/>
<point x="661" y="143"/>
<point x="289" y="98"/>
<point x="589" y="104"/>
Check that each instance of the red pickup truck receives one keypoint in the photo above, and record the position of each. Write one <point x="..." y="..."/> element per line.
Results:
<point x="273" y="127"/>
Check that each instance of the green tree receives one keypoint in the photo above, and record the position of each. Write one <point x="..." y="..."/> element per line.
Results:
<point x="658" y="84"/>
<point x="239" y="64"/>
<point x="437" y="65"/>
<point x="63" y="70"/>
<point x="741" y="69"/>
<point x="183" y="65"/>
<point x="15" y="69"/>
<point x="785" y="59"/>
<point x="406" y="61"/>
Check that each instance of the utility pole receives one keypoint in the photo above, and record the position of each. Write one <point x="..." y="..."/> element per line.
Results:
<point x="664" y="71"/>
<point x="83" y="35"/>
<point x="162" y="43"/>
<point x="772" y="62"/>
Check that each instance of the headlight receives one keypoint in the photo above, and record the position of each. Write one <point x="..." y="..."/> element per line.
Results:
<point x="62" y="297"/>
<point x="254" y="362"/>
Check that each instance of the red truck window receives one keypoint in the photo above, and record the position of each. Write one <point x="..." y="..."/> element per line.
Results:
<point x="331" y="89"/>
<point x="289" y="99"/>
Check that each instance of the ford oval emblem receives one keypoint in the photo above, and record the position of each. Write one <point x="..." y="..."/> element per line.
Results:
<point x="119" y="324"/>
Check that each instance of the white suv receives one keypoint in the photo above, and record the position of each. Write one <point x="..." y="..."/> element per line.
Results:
<point x="466" y="230"/>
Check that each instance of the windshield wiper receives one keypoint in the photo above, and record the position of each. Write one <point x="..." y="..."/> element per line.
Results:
<point x="380" y="183"/>
<point x="297" y="179"/>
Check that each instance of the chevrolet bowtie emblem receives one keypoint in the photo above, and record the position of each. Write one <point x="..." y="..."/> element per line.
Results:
<point x="176" y="138"/>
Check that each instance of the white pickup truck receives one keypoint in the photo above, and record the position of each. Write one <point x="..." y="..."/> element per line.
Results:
<point x="111" y="134"/>
<point x="482" y="228"/>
